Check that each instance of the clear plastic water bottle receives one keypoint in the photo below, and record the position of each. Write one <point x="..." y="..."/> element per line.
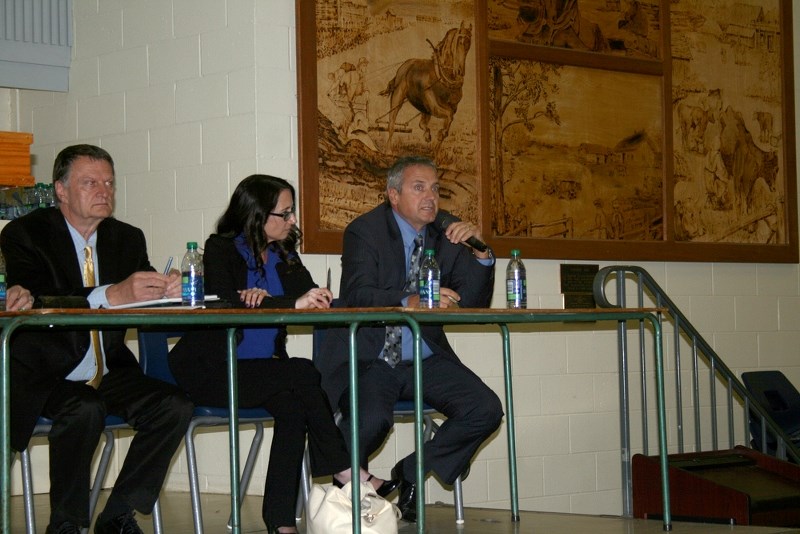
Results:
<point x="49" y="198"/>
<point x="516" y="283"/>
<point x="428" y="282"/>
<point x="192" y="290"/>
<point x="2" y="283"/>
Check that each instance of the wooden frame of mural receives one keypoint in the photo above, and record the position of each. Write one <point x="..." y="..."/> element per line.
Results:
<point x="581" y="129"/>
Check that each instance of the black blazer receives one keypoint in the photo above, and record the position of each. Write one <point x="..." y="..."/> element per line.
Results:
<point x="374" y="274"/>
<point x="40" y="256"/>
<point x="199" y="359"/>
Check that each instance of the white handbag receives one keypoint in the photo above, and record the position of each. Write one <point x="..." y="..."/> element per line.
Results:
<point x="330" y="511"/>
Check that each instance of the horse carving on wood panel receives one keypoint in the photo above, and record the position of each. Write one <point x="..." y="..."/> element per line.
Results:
<point x="432" y="86"/>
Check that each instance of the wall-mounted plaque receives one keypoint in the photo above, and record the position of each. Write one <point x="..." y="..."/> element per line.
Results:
<point x="576" y="285"/>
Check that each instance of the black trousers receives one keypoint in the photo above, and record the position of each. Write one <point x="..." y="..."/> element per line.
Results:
<point x="290" y="390"/>
<point x="473" y="411"/>
<point x="160" y="414"/>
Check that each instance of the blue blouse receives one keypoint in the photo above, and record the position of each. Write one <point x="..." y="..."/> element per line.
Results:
<point x="259" y="342"/>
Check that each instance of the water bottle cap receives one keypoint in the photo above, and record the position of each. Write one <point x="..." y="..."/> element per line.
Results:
<point x="191" y="244"/>
<point x="515" y="252"/>
<point x="429" y="252"/>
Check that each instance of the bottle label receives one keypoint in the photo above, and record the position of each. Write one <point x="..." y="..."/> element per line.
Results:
<point x="429" y="293"/>
<point x="516" y="293"/>
<point x="192" y="290"/>
<point x="2" y="291"/>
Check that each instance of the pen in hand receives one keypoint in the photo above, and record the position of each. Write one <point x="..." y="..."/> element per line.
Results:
<point x="169" y="264"/>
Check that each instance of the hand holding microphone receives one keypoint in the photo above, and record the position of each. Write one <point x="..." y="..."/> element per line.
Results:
<point x="462" y="232"/>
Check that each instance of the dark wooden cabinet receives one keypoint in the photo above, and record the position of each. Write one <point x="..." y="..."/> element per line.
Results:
<point x="738" y="486"/>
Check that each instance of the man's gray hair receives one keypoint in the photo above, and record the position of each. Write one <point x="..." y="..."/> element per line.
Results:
<point x="394" y="178"/>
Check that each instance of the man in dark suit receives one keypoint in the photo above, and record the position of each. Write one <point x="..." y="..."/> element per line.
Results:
<point x="376" y="259"/>
<point x="78" y="249"/>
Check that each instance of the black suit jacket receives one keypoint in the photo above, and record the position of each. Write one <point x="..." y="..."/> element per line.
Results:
<point x="40" y="256"/>
<point x="199" y="360"/>
<point x="374" y="274"/>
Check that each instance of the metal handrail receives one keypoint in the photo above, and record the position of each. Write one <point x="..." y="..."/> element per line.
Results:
<point x="736" y="401"/>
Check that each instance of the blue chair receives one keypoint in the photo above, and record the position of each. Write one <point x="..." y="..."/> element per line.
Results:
<point x="153" y="352"/>
<point x="781" y="400"/>
<point x="403" y="411"/>
<point x="42" y="428"/>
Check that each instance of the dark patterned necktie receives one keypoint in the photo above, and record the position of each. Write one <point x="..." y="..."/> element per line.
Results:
<point x="393" y="347"/>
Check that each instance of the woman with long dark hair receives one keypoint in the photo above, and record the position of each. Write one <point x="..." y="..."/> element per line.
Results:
<point x="252" y="261"/>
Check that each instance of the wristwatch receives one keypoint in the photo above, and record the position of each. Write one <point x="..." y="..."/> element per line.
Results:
<point x="489" y="250"/>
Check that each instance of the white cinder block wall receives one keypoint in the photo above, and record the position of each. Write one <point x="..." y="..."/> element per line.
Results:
<point x="190" y="96"/>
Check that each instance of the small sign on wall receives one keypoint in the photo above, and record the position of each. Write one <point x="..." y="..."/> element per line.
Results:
<point x="576" y="285"/>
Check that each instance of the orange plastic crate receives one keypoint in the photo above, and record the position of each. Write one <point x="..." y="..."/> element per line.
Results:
<point x="15" y="159"/>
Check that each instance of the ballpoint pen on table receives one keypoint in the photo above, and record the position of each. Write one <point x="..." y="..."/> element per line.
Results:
<point x="328" y="284"/>
<point x="169" y="264"/>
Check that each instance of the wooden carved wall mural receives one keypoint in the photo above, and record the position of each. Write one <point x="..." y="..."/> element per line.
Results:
<point x="570" y="129"/>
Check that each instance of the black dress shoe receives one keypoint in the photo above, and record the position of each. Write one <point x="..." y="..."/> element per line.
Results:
<point x="388" y="486"/>
<point x="122" y="524"/>
<point x="64" y="528"/>
<point x="273" y="529"/>
<point x="407" y="503"/>
<point x="384" y="490"/>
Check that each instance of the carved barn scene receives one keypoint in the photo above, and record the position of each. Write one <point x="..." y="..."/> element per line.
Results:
<point x="579" y="152"/>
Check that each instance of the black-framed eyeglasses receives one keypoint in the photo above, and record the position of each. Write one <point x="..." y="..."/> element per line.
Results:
<point x="286" y="215"/>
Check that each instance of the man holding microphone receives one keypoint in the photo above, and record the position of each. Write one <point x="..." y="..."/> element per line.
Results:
<point x="377" y="262"/>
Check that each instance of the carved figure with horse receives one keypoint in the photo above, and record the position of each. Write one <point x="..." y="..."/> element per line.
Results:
<point x="433" y="86"/>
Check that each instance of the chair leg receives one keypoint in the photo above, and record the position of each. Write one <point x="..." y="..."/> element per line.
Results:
<point x="429" y="426"/>
<point x="305" y="487"/>
<point x="94" y="495"/>
<point x="27" y="491"/>
<point x="458" y="496"/>
<point x="252" y="456"/>
<point x="158" y="527"/>
<point x="194" y="485"/>
<point x="249" y="464"/>
<point x="102" y="469"/>
<point x="458" y="501"/>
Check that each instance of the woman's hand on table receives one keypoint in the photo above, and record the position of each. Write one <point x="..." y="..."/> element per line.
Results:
<point x="252" y="297"/>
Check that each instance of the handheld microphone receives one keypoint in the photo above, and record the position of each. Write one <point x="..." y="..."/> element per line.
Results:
<point x="445" y="219"/>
